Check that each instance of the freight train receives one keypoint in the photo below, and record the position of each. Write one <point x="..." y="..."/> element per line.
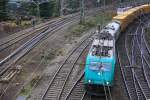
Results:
<point x="101" y="59"/>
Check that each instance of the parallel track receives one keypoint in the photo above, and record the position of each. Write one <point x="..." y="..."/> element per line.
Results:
<point x="77" y="91"/>
<point x="135" y="70"/>
<point x="4" y="44"/>
<point x="58" y="82"/>
<point x="14" y="39"/>
<point x="126" y="71"/>
<point x="26" y="47"/>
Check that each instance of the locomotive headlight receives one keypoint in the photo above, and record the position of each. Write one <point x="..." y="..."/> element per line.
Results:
<point x="89" y="81"/>
<point x="99" y="73"/>
<point x="107" y="83"/>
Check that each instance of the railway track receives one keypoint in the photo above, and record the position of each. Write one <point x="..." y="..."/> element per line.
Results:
<point x="52" y="25"/>
<point x="138" y="72"/>
<point x="141" y="74"/>
<point x="77" y="91"/>
<point x="134" y="46"/>
<point x="10" y="40"/>
<point x="127" y="72"/>
<point x="5" y="43"/>
<point x="26" y="47"/>
<point x="135" y="69"/>
<point x="58" y="84"/>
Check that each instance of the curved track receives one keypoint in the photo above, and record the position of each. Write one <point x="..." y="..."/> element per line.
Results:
<point x="127" y="72"/>
<point x="133" y="64"/>
<point x="58" y="82"/>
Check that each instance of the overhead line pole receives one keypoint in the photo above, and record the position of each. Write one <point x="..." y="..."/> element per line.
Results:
<point x="82" y="12"/>
<point x="38" y="8"/>
<point x="61" y="7"/>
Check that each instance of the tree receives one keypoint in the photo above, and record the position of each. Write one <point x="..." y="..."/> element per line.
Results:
<point x="46" y="10"/>
<point x="3" y="11"/>
<point x="73" y="4"/>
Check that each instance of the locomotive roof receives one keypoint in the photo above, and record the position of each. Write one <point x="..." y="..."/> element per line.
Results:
<point x="102" y="48"/>
<point x="109" y="30"/>
<point x="101" y="42"/>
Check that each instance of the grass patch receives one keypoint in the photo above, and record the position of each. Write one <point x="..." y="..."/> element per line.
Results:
<point x="25" y="23"/>
<point x="51" y="54"/>
<point x="27" y="89"/>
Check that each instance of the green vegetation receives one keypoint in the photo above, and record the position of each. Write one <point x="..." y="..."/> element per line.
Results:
<point x="3" y="12"/>
<point x="77" y="30"/>
<point x="48" y="9"/>
<point x="51" y="54"/>
<point x="27" y="89"/>
<point x="73" y="5"/>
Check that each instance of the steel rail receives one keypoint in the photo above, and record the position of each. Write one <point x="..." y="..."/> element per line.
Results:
<point x="27" y="50"/>
<point x="61" y="66"/>
<point x="29" y="41"/>
<point x="144" y="50"/>
<point x="127" y="72"/>
<point x="8" y="42"/>
<point x="45" y="25"/>
<point x="140" y="76"/>
<point x="28" y="46"/>
<point x="137" y="72"/>
<point x="145" y="85"/>
<point x="130" y="65"/>
<point x="48" y="29"/>
<point x="64" y="84"/>
<point x="79" y="90"/>
<point x="138" y="88"/>
<point x="2" y="42"/>
<point x="50" y="25"/>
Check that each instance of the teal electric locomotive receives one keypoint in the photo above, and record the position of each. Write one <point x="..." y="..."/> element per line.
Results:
<point x="101" y="59"/>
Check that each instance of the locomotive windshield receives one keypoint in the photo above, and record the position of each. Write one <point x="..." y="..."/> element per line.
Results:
<point x="100" y="66"/>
